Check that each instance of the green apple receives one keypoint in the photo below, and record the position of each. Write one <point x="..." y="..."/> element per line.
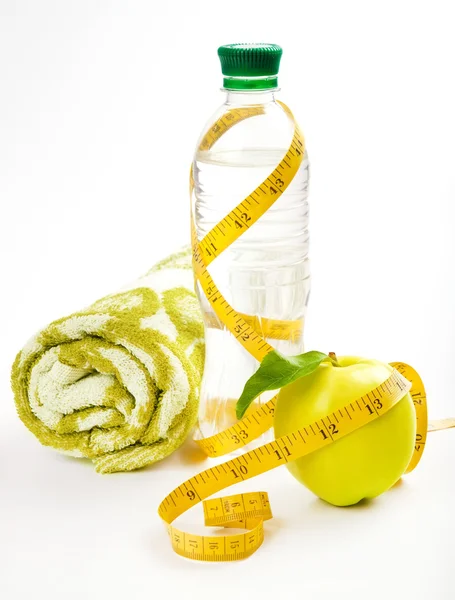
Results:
<point x="366" y="462"/>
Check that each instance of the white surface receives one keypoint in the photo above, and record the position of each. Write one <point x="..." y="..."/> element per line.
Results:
<point x="90" y="93"/>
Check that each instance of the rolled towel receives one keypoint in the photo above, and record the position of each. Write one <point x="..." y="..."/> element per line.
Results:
<point x="118" y="382"/>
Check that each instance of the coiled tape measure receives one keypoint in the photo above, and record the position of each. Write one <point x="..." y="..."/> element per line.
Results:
<point x="249" y="511"/>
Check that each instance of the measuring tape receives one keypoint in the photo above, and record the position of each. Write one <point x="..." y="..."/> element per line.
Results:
<point x="249" y="511"/>
<point x="248" y="330"/>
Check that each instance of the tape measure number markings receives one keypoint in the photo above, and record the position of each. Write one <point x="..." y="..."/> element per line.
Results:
<point x="235" y="224"/>
<point x="250" y="511"/>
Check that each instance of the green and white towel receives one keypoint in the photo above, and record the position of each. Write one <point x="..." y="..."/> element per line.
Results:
<point x="119" y="381"/>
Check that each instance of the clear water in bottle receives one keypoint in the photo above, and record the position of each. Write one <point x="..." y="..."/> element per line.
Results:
<point x="265" y="272"/>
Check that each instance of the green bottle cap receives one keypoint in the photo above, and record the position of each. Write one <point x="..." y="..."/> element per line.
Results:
<point x="250" y="66"/>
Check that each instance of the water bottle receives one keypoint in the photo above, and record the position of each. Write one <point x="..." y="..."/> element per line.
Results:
<point x="265" y="272"/>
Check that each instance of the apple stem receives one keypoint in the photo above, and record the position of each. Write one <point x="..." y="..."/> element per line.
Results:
<point x="334" y="359"/>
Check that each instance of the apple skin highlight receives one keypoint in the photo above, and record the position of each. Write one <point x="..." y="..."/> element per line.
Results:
<point x="365" y="463"/>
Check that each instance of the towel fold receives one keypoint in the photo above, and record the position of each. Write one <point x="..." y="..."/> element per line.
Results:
<point x="118" y="382"/>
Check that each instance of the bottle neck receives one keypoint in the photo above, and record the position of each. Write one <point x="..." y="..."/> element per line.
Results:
<point x="245" y="98"/>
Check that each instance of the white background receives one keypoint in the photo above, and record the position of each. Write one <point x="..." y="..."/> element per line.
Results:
<point x="101" y="103"/>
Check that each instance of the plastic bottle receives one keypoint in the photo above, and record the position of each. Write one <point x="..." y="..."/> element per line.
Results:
<point x="264" y="273"/>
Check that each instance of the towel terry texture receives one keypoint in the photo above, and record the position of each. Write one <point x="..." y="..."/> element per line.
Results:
<point x="118" y="382"/>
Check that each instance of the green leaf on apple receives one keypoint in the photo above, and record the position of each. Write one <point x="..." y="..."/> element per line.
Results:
<point x="276" y="371"/>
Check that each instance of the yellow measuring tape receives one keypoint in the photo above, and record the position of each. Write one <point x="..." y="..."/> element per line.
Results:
<point x="249" y="331"/>
<point x="249" y="511"/>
